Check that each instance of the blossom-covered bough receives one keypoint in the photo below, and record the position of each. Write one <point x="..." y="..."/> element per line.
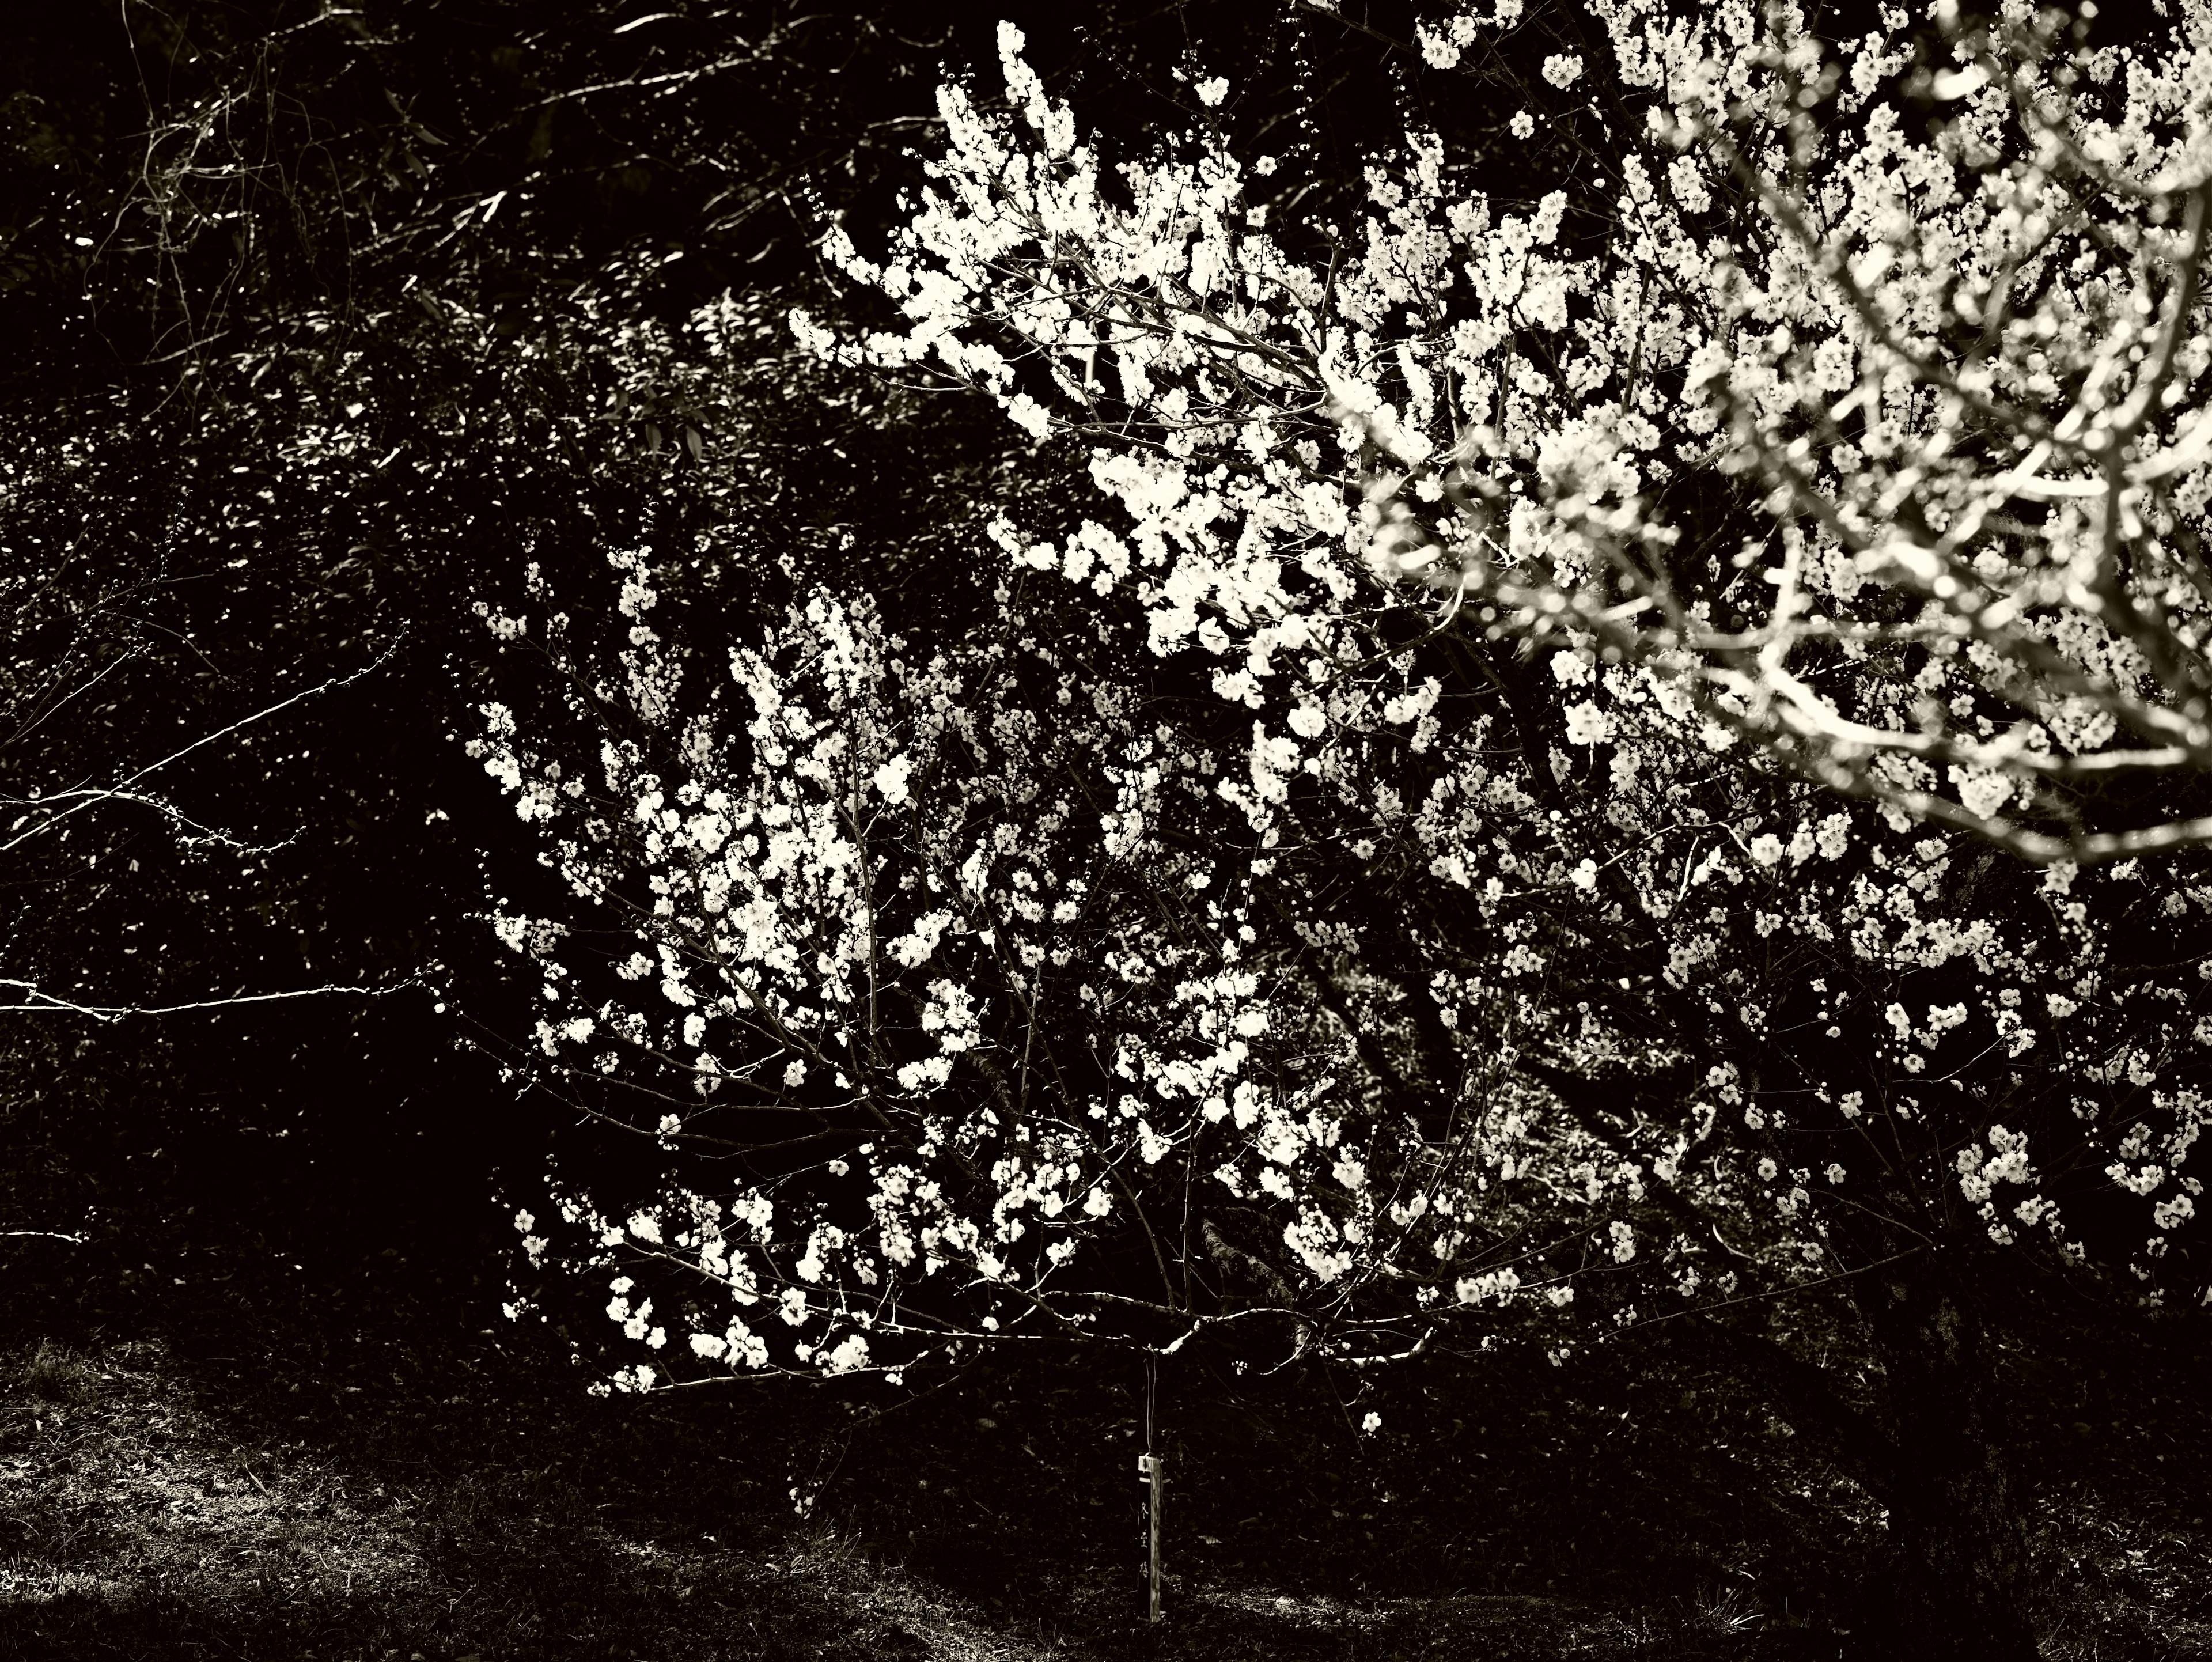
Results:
<point x="857" y="872"/>
<point x="1959" y="372"/>
<point x="1490" y="820"/>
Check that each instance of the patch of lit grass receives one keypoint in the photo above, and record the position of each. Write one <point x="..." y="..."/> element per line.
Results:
<point x="55" y="1375"/>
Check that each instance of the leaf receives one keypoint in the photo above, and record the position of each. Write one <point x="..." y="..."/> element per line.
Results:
<point x="694" y="443"/>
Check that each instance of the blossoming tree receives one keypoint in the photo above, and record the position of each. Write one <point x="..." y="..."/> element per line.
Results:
<point x="1372" y="879"/>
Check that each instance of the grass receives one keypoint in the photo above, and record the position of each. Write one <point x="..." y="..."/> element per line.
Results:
<point x="162" y="1510"/>
<point x="249" y="1462"/>
<point x="139" y="1524"/>
<point x="137" y="1521"/>
<point x="54" y="1374"/>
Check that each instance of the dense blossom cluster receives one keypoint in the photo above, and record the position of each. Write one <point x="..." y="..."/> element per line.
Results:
<point x="1958" y="370"/>
<point x="1378" y="876"/>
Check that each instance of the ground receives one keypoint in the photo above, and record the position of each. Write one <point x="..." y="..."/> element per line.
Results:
<point x="250" y="1464"/>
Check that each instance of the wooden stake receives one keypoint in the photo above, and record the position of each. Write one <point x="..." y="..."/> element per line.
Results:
<point x="1152" y="1470"/>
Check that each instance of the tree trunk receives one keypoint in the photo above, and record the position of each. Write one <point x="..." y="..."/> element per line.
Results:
<point x="1959" y="1586"/>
